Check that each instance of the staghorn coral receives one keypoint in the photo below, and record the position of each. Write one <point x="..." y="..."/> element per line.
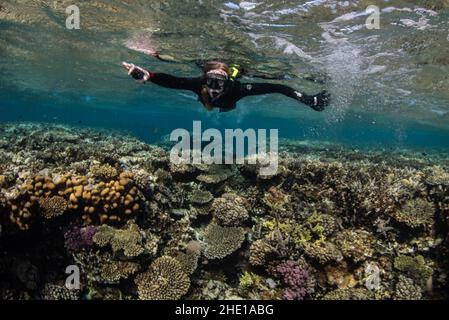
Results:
<point x="128" y="240"/>
<point x="222" y="241"/>
<point x="406" y="289"/>
<point x="336" y="198"/>
<point x="230" y="210"/>
<point x="52" y="207"/>
<point x="164" y="280"/>
<point x="416" y="213"/>
<point x="357" y="244"/>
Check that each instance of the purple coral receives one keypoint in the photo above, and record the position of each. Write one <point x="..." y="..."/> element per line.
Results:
<point x="295" y="278"/>
<point x="78" y="238"/>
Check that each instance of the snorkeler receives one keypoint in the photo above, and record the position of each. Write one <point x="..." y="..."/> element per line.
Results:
<point x="218" y="87"/>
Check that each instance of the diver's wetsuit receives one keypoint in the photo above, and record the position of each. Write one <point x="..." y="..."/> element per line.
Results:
<point x="234" y="90"/>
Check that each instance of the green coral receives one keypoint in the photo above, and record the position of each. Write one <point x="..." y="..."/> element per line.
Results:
<point x="414" y="267"/>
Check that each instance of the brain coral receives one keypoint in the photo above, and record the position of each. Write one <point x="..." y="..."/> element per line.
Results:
<point x="222" y="241"/>
<point x="164" y="280"/>
<point x="230" y="210"/>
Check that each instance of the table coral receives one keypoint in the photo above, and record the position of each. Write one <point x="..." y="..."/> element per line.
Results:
<point x="129" y="240"/>
<point x="164" y="280"/>
<point x="222" y="241"/>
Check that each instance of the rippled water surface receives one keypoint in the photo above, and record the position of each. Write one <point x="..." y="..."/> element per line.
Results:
<point x="389" y="86"/>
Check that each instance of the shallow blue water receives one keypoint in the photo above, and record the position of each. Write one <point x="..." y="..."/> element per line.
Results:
<point x="389" y="86"/>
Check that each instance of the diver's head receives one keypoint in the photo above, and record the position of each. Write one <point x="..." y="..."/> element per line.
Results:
<point x="216" y="82"/>
<point x="216" y="76"/>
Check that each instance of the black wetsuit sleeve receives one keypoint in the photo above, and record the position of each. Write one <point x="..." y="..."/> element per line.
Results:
<point x="252" y="89"/>
<point x="172" y="82"/>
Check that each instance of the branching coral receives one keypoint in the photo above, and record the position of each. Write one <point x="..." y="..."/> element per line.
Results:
<point x="356" y="244"/>
<point x="222" y="241"/>
<point x="164" y="280"/>
<point x="261" y="252"/>
<point x="298" y="281"/>
<point x="230" y="210"/>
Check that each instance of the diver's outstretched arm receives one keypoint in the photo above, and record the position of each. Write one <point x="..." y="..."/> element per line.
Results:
<point x="317" y="102"/>
<point x="162" y="79"/>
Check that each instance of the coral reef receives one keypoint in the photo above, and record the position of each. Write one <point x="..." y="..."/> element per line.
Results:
<point x="222" y="241"/>
<point x="164" y="280"/>
<point x="406" y="289"/>
<point x="78" y="238"/>
<point x="416" y="213"/>
<point x="128" y="240"/>
<point x="296" y="279"/>
<point x="333" y="223"/>
<point x="230" y="210"/>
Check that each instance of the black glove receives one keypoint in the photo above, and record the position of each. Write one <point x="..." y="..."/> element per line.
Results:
<point x="137" y="74"/>
<point x="317" y="102"/>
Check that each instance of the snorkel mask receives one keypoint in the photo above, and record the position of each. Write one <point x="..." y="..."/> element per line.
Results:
<point x="216" y="83"/>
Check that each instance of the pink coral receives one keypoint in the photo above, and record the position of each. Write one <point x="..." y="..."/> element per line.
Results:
<point x="295" y="278"/>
